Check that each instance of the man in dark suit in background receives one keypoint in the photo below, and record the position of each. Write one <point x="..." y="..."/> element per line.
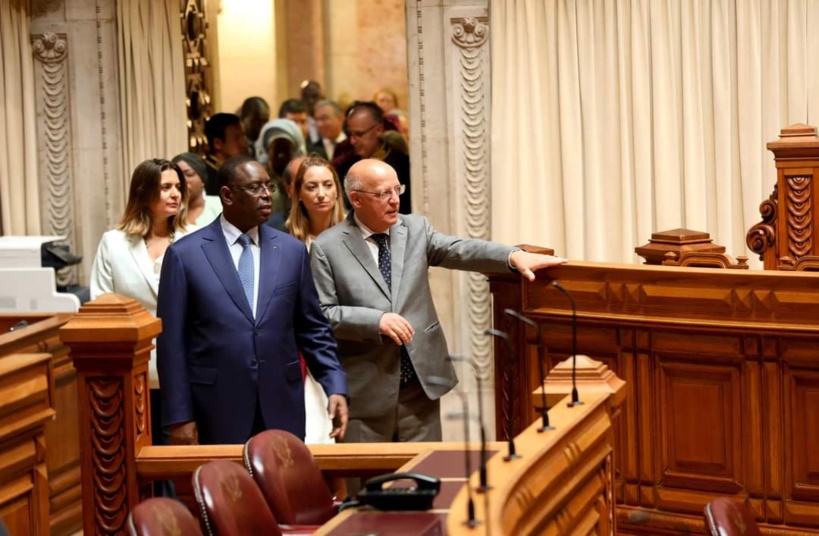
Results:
<point x="237" y="302"/>
<point x="371" y="272"/>
<point x="226" y="139"/>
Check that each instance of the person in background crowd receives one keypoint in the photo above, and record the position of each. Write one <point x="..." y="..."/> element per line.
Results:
<point x="296" y="111"/>
<point x="202" y="209"/>
<point x="254" y="113"/>
<point x="226" y="139"/>
<point x="282" y="139"/>
<point x="330" y="123"/>
<point x="129" y="258"/>
<point x="279" y="220"/>
<point x="238" y="303"/>
<point x="365" y="132"/>
<point x="386" y="99"/>
<point x="316" y="206"/>
<point x="310" y="94"/>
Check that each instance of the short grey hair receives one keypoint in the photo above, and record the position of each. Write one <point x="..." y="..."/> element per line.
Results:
<point x="332" y="104"/>
<point x="351" y="182"/>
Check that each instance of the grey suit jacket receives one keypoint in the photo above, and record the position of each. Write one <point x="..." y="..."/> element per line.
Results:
<point x="354" y="296"/>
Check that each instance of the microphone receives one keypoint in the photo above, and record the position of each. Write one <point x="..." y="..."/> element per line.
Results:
<point x="510" y="403"/>
<point x="575" y="399"/>
<point x="544" y="415"/>
<point x="470" y="504"/>
<point x="484" y="481"/>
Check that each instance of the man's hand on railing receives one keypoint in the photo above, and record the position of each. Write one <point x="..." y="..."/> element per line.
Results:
<point x="184" y="434"/>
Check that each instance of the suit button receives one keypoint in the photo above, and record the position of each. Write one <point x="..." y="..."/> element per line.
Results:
<point x="253" y="363"/>
<point x="255" y="331"/>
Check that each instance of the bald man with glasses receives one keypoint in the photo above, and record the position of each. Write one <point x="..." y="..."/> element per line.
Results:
<point x="371" y="272"/>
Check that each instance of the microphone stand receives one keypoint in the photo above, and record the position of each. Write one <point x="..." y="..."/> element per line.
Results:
<point x="575" y="399"/>
<point x="544" y="415"/>
<point x="510" y="406"/>
<point x="471" y="521"/>
<point x="484" y="479"/>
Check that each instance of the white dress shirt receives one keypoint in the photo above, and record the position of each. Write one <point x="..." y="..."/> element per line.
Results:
<point x="330" y="145"/>
<point x="366" y="234"/>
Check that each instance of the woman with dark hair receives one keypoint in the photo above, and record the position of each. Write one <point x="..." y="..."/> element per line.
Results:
<point x="202" y="208"/>
<point x="316" y="205"/>
<point x="129" y="257"/>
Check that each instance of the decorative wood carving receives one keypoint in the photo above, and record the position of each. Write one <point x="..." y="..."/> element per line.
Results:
<point x="193" y="19"/>
<point x="695" y="259"/>
<point x="800" y="229"/>
<point x="110" y="340"/>
<point x="762" y="236"/>
<point x="469" y="36"/>
<point x="57" y="197"/>
<point x="678" y="241"/>
<point x="722" y="377"/>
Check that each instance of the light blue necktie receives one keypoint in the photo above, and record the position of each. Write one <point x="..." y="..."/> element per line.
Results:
<point x="246" y="268"/>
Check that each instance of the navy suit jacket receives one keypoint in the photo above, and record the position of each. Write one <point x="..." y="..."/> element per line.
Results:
<point x="215" y="360"/>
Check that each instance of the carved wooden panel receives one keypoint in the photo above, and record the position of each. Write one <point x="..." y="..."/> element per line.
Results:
<point x="197" y="66"/>
<point x="722" y="375"/>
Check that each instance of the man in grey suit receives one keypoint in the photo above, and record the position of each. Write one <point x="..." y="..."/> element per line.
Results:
<point x="371" y="275"/>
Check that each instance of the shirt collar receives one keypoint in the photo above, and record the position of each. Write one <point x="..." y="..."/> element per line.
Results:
<point x="232" y="233"/>
<point x="366" y="232"/>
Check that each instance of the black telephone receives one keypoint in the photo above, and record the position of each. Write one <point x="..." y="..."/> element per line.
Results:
<point x="419" y="497"/>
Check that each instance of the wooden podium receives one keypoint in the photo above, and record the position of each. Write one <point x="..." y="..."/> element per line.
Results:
<point x="722" y="375"/>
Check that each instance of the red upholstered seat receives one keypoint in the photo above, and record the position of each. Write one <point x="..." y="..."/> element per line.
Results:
<point x="725" y="517"/>
<point x="162" y="517"/>
<point x="284" y="469"/>
<point x="230" y="503"/>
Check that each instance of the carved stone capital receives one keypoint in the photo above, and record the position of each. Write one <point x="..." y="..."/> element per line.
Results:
<point x="470" y="32"/>
<point x="50" y="47"/>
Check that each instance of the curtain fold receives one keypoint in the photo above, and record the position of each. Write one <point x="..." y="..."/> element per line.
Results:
<point x="613" y="120"/>
<point x="19" y="187"/>
<point x="152" y="82"/>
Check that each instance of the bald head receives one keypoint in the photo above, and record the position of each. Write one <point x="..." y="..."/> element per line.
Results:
<point x="373" y="189"/>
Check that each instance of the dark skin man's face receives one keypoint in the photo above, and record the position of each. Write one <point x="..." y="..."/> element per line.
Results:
<point x="247" y="202"/>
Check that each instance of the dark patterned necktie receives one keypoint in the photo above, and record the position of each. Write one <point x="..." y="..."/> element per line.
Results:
<point x="385" y="267"/>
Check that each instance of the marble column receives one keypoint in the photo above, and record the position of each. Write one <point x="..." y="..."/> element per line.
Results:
<point x="449" y="82"/>
<point x="76" y="81"/>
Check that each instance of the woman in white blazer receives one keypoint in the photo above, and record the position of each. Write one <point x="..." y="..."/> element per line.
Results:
<point x="316" y="204"/>
<point x="129" y="257"/>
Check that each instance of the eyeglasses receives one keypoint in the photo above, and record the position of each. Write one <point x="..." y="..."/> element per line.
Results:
<point x="386" y="194"/>
<point x="257" y="188"/>
<point x="361" y="134"/>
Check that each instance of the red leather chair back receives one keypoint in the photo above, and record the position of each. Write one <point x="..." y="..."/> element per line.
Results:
<point x="292" y="483"/>
<point x="230" y="503"/>
<point x="725" y="517"/>
<point x="162" y="517"/>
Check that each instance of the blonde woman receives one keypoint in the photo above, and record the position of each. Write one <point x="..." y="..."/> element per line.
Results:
<point x="129" y="257"/>
<point x="316" y="205"/>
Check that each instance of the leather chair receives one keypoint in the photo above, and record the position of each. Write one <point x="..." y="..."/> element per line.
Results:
<point x="230" y="503"/>
<point x="162" y="517"/>
<point x="725" y="517"/>
<point x="284" y="468"/>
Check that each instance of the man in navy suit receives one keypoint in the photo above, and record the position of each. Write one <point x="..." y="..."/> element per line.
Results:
<point x="237" y="303"/>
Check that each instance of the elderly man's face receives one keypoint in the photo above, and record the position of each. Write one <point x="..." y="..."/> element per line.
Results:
<point x="376" y="202"/>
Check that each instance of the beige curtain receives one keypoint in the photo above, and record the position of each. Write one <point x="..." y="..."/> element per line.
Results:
<point x="152" y="82"/>
<point x="19" y="207"/>
<point x="613" y="120"/>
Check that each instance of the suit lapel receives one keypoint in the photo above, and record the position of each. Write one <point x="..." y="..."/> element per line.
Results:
<point x="268" y="269"/>
<point x="398" y="248"/>
<point x="361" y="251"/>
<point x="218" y="255"/>
<point x="139" y="252"/>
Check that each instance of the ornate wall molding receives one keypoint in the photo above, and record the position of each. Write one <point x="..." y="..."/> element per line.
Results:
<point x="470" y="35"/>
<point x="57" y="196"/>
<point x="419" y="20"/>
